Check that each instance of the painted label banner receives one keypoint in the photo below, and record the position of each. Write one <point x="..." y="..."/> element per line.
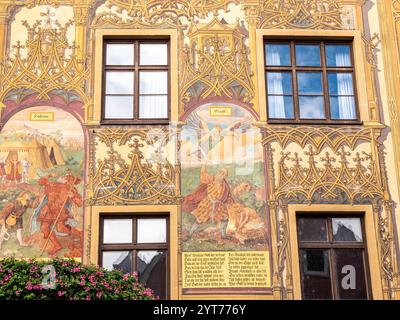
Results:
<point x="240" y="269"/>
<point x="220" y="111"/>
<point x="41" y="116"/>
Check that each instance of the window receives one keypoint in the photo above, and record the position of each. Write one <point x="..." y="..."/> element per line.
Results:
<point x="136" y="243"/>
<point x="136" y="81"/>
<point x="333" y="258"/>
<point x="309" y="81"/>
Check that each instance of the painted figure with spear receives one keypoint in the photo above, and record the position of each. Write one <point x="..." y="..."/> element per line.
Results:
<point x="55" y="213"/>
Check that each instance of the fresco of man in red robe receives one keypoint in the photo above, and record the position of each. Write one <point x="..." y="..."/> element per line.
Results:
<point x="14" y="171"/>
<point x="3" y="173"/>
<point x="59" y="197"/>
<point x="209" y="201"/>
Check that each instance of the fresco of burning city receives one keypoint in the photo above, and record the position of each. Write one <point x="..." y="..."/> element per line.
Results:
<point x="41" y="167"/>
<point x="223" y="184"/>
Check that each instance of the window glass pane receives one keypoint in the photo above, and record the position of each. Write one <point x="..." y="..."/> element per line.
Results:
<point x="280" y="107"/>
<point x="343" y="108"/>
<point x="308" y="55"/>
<point x="119" y="82"/>
<point x="338" y="55"/>
<point x="315" y="274"/>
<point x="120" y="260"/>
<point x="154" y="82"/>
<point x="309" y="82"/>
<point x="351" y="281"/>
<point x="277" y="54"/>
<point x="153" y="54"/>
<point x="340" y="83"/>
<point x="311" y="107"/>
<point x="153" y="107"/>
<point x="119" y="107"/>
<point x="312" y="229"/>
<point x="117" y="231"/>
<point x="347" y="229"/>
<point x="120" y="54"/>
<point x="152" y="267"/>
<point x="279" y="82"/>
<point x="152" y="230"/>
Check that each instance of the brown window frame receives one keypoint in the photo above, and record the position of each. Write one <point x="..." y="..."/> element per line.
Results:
<point x="136" y="68"/>
<point x="134" y="246"/>
<point x="331" y="245"/>
<point x="294" y="69"/>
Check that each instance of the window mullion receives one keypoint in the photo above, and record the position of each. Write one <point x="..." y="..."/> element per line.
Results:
<point x="294" y="82"/>
<point x="325" y="83"/>
<point x="136" y="83"/>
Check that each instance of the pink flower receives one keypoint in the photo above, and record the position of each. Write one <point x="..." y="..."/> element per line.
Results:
<point x="87" y="288"/>
<point x="18" y="292"/>
<point x="29" y="286"/>
<point x="88" y="298"/>
<point x="75" y="269"/>
<point x="60" y="293"/>
<point x="99" y="294"/>
<point x="148" y="292"/>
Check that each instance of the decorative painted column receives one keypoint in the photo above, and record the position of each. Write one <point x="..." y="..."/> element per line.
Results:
<point x="4" y="16"/>
<point x="4" y="20"/>
<point x="370" y="44"/>
<point x="252" y="10"/>
<point x="389" y="23"/>
<point x="81" y="12"/>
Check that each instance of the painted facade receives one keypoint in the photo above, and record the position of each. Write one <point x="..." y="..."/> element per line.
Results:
<point x="231" y="182"/>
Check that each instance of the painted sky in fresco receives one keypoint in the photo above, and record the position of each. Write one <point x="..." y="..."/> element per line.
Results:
<point x="63" y="120"/>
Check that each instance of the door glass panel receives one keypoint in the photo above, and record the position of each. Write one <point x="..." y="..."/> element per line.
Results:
<point x="153" y="54"/>
<point x="280" y="107"/>
<point x="279" y="82"/>
<point x="315" y="274"/>
<point x="152" y="231"/>
<point x="153" y="107"/>
<point x="277" y="54"/>
<point x="117" y="231"/>
<point x="343" y="108"/>
<point x="120" y="54"/>
<point x="311" y="107"/>
<point x="308" y="55"/>
<point x="119" y="82"/>
<point x="338" y="55"/>
<point x="120" y="260"/>
<point x="350" y="271"/>
<point x="312" y="229"/>
<point x="347" y="229"/>
<point x="153" y="82"/>
<point x="152" y="267"/>
<point x="309" y="82"/>
<point x="119" y="107"/>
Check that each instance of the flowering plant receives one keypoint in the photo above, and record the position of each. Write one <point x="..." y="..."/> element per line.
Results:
<point x="66" y="279"/>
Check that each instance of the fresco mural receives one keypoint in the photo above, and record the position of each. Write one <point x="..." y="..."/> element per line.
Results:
<point x="41" y="184"/>
<point x="223" y="181"/>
